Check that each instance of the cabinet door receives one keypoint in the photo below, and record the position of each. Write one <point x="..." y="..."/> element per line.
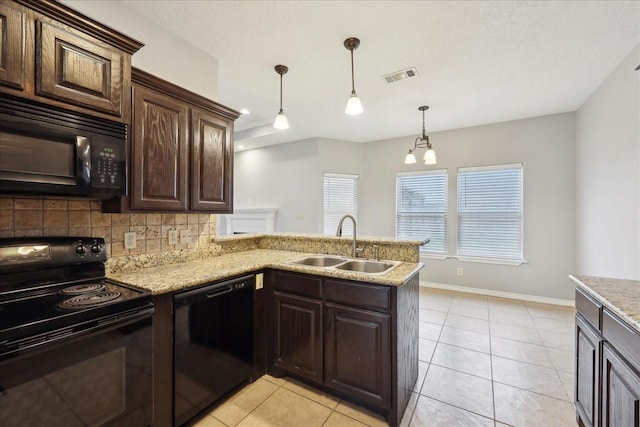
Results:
<point x="158" y="152"/>
<point x="620" y="391"/>
<point x="211" y="163"/>
<point x="357" y="353"/>
<point x="13" y="43"/>
<point x="587" y="387"/>
<point x="297" y="335"/>
<point x="79" y="69"/>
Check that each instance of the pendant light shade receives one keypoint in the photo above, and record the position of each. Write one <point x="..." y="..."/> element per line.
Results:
<point x="354" y="105"/>
<point x="281" y="121"/>
<point x="422" y="142"/>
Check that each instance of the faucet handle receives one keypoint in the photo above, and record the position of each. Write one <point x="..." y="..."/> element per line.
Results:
<point x="376" y="251"/>
<point x="359" y="251"/>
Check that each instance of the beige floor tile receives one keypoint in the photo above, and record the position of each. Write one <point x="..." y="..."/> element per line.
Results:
<point x="549" y="311"/>
<point x="469" y="298"/>
<point x="422" y="373"/>
<point x="459" y="389"/>
<point x="517" y="333"/>
<point x="432" y="316"/>
<point x="425" y="349"/>
<point x="408" y="412"/>
<point x="553" y="325"/>
<point x="523" y="408"/>
<point x="435" y="304"/>
<point x="242" y="403"/>
<point x="567" y="380"/>
<point x="508" y="305"/>
<point x="363" y="415"/>
<point x="336" y="419"/>
<point x="529" y="377"/>
<point x="559" y="341"/>
<point x="274" y="380"/>
<point x="442" y="293"/>
<point x="498" y="424"/>
<point x="311" y="393"/>
<point x="522" y="351"/>
<point x="467" y="339"/>
<point x="513" y="319"/>
<point x="469" y="323"/>
<point x="429" y="331"/>
<point x="285" y="408"/>
<point x="432" y="413"/>
<point x="206" y="421"/>
<point x="562" y="360"/>
<point x="463" y="360"/>
<point x="470" y="310"/>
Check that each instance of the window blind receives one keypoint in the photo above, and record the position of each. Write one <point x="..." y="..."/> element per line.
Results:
<point x="490" y="212"/>
<point x="421" y="209"/>
<point x="340" y="199"/>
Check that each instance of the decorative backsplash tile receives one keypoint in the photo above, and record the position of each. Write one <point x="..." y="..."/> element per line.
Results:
<point x="56" y="216"/>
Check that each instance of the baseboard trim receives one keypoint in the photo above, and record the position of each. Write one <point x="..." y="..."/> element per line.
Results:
<point x="501" y="294"/>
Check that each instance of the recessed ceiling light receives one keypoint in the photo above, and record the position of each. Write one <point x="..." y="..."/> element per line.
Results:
<point x="240" y="147"/>
<point x="245" y="111"/>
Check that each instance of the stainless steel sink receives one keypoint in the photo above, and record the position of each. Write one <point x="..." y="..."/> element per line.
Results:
<point x="319" y="261"/>
<point x="365" y="266"/>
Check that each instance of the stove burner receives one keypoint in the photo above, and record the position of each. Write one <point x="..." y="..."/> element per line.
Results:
<point x="94" y="299"/>
<point x="82" y="289"/>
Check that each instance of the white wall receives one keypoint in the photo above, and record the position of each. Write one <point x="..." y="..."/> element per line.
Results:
<point x="289" y="177"/>
<point x="608" y="176"/>
<point x="164" y="54"/>
<point x="546" y="147"/>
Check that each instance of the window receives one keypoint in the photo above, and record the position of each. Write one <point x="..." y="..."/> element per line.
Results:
<point x="490" y="213"/>
<point x="421" y="209"/>
<point x="340" y="199"/>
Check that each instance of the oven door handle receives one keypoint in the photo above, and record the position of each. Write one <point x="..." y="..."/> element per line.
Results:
<point x="89" y="327"/>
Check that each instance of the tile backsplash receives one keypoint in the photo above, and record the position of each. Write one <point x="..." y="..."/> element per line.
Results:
<point x="44" y="216"/>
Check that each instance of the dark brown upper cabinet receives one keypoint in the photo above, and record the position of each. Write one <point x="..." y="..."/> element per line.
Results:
<point x="53" y="54"/>
<point x="181" y="151"/>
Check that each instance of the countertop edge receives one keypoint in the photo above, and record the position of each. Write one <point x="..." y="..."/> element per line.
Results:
<point x="634" y="323"/>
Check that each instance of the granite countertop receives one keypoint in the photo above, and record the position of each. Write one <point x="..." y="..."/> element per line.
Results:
<point x="178" y="276"/>
<point x="620" y="296"/>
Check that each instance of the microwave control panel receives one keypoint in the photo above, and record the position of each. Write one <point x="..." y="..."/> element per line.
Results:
<point x="106" y="166"/>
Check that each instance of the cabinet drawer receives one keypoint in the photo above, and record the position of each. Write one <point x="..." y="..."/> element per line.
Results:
<point x="622" y="337"/>
<point x="355" y="295"/>
<point x="589" y="308"/>
<point x="298" y="284"/>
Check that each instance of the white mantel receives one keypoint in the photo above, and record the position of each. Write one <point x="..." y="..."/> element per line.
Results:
<point x="254" y="220"/>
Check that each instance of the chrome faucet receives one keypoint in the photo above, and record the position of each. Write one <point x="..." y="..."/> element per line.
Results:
<point x="339" y="234"/>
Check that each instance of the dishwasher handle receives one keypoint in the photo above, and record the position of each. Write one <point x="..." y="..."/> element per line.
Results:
<point x="220" y="291"/>
<point x="213" y="290"/>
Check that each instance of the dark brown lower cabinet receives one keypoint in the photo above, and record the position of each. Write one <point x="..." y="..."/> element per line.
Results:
<point x="620" y="391"/>
<point x="356" y="340"/>
<point x="357" y="357"/>
<point x="588" y="350"/>
<point x="298" y="335"/>
<point x="607" y="381"/>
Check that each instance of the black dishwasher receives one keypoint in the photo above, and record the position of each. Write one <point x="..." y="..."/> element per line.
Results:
<point x="213" y="343"/>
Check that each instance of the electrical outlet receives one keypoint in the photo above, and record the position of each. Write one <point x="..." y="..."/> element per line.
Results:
<point x="130" y="240"/>
<point x="184" y="237"/>
<point x="460" y="271"/>
<point x="173" y="237"/>
<point x="259" y="280"/>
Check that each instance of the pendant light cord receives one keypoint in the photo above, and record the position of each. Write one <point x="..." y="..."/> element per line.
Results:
<point x="280" y="93"/>
<point x="353" y="84"/>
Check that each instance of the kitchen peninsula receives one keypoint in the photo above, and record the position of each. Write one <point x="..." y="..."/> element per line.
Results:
<point x="306" y="317"/>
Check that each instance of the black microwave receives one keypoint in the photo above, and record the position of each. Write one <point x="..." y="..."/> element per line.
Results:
<point x="50" y="151"/>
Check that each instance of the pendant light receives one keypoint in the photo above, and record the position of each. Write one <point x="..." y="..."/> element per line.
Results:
<point x="422" y="142"/>
<point x="281" y="121"/>
<point x="354" y="105"/>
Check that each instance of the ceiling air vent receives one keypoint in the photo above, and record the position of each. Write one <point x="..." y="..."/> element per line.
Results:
<point x="401" y="75"/>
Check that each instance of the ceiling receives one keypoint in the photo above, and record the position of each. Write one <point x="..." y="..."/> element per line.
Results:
<point x="478" y="62"/>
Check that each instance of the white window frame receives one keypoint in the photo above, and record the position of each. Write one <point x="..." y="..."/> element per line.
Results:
<point x="425" y="251"/>
<point x="336" y="214"/>
<point x="480" y="258"/>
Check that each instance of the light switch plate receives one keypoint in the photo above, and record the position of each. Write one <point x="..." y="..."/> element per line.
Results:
<point x="259" y="280"/>
<point x="173" y="237"/>
<point x="130" y="240"/>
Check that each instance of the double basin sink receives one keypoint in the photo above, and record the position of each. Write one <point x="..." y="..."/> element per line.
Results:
<point x="347" y="264"/>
